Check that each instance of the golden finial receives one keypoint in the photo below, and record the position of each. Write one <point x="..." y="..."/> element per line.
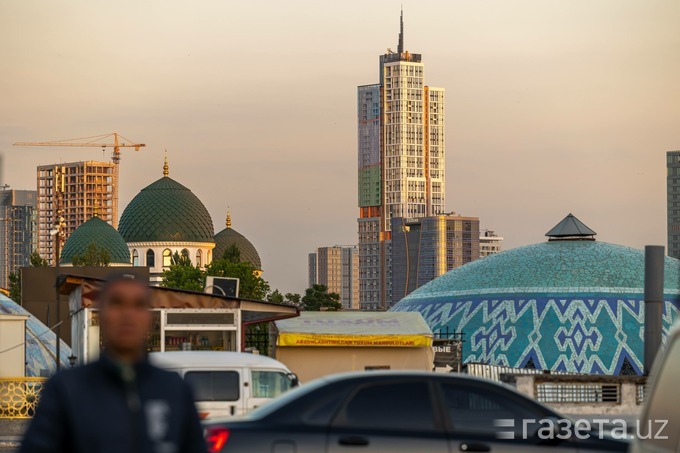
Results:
<point x="166" y="169"/>
<point x="228" y="218"/>
<point x="95" y="212"/>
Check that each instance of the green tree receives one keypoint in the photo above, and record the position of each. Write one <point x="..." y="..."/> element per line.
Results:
<point x="250" y="285"/>
<point x="289" y="298"/>
<point x="15" y="277"/>
<point x="232" y="254"/>
<point x="36" y="260"/>
<point x="182" y="274"/>
<point x="317" y="298"/>
<point x="15" y="286"/>
<point x="93" y="256"/>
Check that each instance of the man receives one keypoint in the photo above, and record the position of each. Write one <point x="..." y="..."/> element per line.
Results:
<point x="119" y="403"/>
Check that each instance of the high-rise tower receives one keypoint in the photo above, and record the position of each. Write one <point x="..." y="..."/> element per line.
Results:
<point x="401" y="163"/>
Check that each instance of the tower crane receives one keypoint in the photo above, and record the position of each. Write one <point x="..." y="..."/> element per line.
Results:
<point x="97" y="141"/>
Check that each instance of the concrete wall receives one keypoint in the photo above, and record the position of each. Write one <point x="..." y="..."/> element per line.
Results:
<point x="12" y="343"/>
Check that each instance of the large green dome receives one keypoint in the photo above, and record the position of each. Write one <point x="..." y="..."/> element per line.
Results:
<point x="166" y="211"/>
<point x="98" y="232"/>
<point x="228" y="237"/>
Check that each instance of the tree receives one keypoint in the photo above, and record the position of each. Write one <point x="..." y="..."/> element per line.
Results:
<point x="93" y="256"/>
<point x="278" y="298"/>
<point x="232" y="254"/>
<point x="183" y="275"/>
<point x="15" y="286"/>
<point x="317" y="298"/>
<point x="250" y="285"/>
<point x="36" y="260"/>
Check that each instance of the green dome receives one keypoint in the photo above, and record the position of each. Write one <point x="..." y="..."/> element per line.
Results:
<point x="228" y="237"/>
<point x="96" y="231"/>
<point x="550" y="267"/>
<point x="166" y="211"/>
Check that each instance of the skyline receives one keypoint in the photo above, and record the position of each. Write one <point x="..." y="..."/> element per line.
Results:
<point x="598" y="82"/>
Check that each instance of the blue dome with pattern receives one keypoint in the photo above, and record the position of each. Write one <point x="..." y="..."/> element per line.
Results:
<point x="564" y="305"/>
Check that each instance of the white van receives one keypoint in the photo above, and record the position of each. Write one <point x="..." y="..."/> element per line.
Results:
<point x="227" y="383"/>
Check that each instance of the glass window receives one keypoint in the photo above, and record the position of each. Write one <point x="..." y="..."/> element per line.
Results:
<point x="269" y="384"/>
<point x="199" y="258"/>
<point x="476" y="410"/>
<point x="185" y="253"/>
<point x="135" y="257"/>
<point x="150" y="258"/>
<point x="399" y="406"/>
<point x="167" y="258"/>
<point x="214" y="385"/>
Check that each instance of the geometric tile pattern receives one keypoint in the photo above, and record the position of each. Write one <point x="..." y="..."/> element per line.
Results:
<point x="582" y="335"/>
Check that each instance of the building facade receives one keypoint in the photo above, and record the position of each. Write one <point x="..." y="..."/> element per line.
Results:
<point x="401" y="163"/>
<point x="489" y="243"/>
<point x="18" y="218"/>
<point x="337" y="268"/>
<point x="673" y="202"/>
<point x="78" y="189"/>
<point x="425" y="248"/>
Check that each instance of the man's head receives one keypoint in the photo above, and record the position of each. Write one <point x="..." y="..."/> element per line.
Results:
<point x="124" y="316"/>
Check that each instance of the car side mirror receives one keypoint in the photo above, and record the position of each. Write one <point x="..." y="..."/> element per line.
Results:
<point x="294" y="380"/>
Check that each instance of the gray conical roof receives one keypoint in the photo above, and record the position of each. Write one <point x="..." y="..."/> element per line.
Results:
<point x="570" y="226"/>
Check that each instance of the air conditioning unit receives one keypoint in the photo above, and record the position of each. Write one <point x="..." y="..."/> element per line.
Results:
<point x="222" y="286"/>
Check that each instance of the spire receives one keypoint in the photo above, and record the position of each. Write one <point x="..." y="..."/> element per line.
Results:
<point x="166" y="169"/>
<point x="400" y="46"/>
<point x="95" y="211"/>
<point x="228" y="218"/>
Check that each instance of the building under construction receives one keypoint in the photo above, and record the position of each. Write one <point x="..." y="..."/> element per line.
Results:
<point x="78" y="190"/>
<point x="18" y="234"/>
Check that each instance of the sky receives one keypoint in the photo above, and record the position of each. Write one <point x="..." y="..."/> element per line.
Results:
<point x="552" y="107"/>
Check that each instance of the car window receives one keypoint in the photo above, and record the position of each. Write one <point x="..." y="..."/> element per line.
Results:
<point x="214" y="385"/>
<point x="269" y="384"/>
<point x="402" y="406"/>
<point x="476" y="409"/>
<point x="663" y="404"/>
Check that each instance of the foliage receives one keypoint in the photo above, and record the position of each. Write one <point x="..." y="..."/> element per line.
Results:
<point x="183" y="275"/>
<point x="278" y="298"/>
<point x="36" y="260"/>
<point x="317" y="298"/>
<point x="94" y="256"/>
<point x="250" y="285"/>
<point x="15" y="286"/>
<point x="232" y="254"/>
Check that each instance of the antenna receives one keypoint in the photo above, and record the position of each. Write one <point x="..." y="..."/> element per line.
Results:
<point x="400" y="47"/>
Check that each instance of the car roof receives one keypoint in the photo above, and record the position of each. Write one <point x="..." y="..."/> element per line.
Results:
<point x="185" y="359"/>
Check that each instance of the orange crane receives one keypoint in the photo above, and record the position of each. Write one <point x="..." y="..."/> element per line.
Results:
<point x="97" y="141"/>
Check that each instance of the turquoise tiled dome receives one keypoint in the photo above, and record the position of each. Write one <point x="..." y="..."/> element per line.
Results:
<point x="96" y="231"/>
<point x="555" y="266"/>
<point x="571" y="304"/>
<point x="166" y="211"/>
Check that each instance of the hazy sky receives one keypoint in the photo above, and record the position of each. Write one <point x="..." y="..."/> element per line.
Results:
<point x="552" y="107"/>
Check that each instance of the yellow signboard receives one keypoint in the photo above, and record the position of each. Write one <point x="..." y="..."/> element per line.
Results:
<point x="310" y="339"/>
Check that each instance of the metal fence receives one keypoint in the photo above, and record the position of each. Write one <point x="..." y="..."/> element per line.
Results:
<point x="19" y="396"/>
<point x="577" y="392"/>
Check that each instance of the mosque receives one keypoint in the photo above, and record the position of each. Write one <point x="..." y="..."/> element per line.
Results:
<point x="569" y="304"/>
<point x="164" y="218"/>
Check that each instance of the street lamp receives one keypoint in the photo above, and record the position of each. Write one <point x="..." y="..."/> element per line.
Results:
<point x="72" y="360"/>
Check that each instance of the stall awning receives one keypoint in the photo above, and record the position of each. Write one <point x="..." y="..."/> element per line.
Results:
<point x="355" y="329"/>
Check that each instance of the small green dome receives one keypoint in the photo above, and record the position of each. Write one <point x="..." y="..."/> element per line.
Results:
<point x="228" y="237"/>
<point x="166" y="211"/>
<point x="96" y="231"/>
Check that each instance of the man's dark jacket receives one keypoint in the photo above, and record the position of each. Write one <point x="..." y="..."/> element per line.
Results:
<point x="100" y="408"/>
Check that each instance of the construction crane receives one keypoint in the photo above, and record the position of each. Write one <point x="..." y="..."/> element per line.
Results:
<point x="97" y="141"/>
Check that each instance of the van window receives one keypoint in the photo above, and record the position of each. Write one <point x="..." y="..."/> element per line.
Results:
<point x="214" y="385"/>
<point x="270" y="384"/>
